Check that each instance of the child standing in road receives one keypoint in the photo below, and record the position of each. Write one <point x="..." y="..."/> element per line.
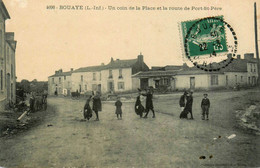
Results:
<point x="205" y="104"/>
<point x="118" y="105"/>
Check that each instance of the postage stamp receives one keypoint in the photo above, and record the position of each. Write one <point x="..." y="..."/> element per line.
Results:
<point x="207" y="44"/>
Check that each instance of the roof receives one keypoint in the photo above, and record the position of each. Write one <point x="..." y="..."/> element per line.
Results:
<point x="154" y="74"/>
<point x="121" y="64"/>
<point x="4" y="10"/>
<point x="90" y="68"/>
<point x="61" y="74"/>
<point x="237" y="65"/>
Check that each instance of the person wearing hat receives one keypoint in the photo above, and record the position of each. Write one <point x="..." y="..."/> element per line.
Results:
<point x="189" y="102"/>
<point x="205" y="104"/>
<point x="139" y="108"/>
<point x="149" y="102"/>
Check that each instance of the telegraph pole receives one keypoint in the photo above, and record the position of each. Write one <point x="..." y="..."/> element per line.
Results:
<point x="256" y="44"/>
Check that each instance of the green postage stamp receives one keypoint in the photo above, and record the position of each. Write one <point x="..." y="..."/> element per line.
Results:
<point x="205" y="42"/>
<point x="204" y="36"/>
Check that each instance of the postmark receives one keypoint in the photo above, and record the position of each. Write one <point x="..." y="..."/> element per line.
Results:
<point x="209" y="43"/>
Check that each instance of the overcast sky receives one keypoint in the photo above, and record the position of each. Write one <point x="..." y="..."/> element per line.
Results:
<point x="52" y="39"/>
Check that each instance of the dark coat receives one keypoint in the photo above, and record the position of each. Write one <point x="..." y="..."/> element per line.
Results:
<point x="139" y="108"/>
<point x="118" y="105"/>
<point x="149" y="100"/>
<point x="87" y="112"/>
<point x="189" y="103"/>
<point x="97" y="106"/>
<point x="205" y="102"/>
<point x="182" y="101"/>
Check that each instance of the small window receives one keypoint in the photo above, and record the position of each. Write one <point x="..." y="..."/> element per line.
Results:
<point x="251" y="67"/>
<point x="249" y="81"/>
<point x="52" y="80"/>
<point x="59" y="79"/>
<point x="64" y="77"/>
<point x="214" y="79"/>
<point x="120" y="74"/>
<point x="94" y="76"/>
<point x="110" y="74"/>
<point x="100" y="76"/>
<point x="121" y="86"/>
<point x="81" y="78"/>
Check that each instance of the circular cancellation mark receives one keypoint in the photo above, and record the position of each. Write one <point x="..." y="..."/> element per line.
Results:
<point x="206" y="43"/>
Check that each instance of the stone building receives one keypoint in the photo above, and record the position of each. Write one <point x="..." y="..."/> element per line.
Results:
<point x="243" y="72"/>
<point x="7" y="61"/>
<point x="116" y="76"/>
<point x="60" y="82"/>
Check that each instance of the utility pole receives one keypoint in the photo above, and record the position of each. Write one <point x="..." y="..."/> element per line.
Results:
<point x="256" y="44"/>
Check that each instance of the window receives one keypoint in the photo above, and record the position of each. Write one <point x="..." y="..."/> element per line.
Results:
<point x="12" y="71"/>
<point x="236" y="78"/>
<point x="251" y="67"/>
<point x="64" y="77"/>
<point x="86" y="88"/>
<point x="81" y="78"/>
<point x="59" y="79"/>
<point x="110" y="74"/>
<point x="166" y="81"/>
<point x="100" y="76"/>
<point x="120" y="73"/>
<point x="52" y="80"/>
<point x="254" y="67"/>
<point x="249" y="81"/>
<point x="79" y="88"/>
<point x="94" y="76"/>
<point x="214" y="79"/>
<point x="7" y="54"/>
<point x="241" y="78"/>
<point x="68" y="83"/>
<point x="1" y="78"/>
<point x="121" y="86"/>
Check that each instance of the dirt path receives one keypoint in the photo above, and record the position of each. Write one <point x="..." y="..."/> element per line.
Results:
<point x="165" y="141"/>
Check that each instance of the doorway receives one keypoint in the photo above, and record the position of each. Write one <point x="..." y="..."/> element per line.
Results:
<point x="192" y="83"/>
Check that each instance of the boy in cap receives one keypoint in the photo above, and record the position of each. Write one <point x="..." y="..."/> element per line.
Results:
<point x="205" y="104"/>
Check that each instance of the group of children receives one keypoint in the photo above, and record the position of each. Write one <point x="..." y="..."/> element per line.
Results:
<point x="186" y="102"/>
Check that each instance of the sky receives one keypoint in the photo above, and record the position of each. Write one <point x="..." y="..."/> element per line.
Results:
<point x="48" y="40"/>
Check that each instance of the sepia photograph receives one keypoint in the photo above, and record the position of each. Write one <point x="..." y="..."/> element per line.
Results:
<point x="129" y="84"/>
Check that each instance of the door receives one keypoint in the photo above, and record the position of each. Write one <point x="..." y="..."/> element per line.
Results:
<point x="226" y="80"/>
<point x="192" y="83"/>
<point x="99" y="88"/>
<point x="172" y="84"/>
<point x="143" y="83"/>
<point x="111" y="86"/>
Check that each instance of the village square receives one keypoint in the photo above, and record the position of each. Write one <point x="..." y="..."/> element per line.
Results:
<point x="128" y="113"/>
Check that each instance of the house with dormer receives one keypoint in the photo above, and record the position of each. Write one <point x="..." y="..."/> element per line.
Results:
<point x="116" y="76"/>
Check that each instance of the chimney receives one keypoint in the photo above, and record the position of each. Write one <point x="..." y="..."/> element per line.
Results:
<point x="112" y="60"/>
<point x="239" y="56"/>
<point x="60" y="71"/>
<point x="71" y="69"/>
<point x="140" y="58"/>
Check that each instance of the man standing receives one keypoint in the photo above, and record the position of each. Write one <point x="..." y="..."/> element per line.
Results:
<point x="182" y="104"/>
<point x="205" y="104"/>
<point x="189" y="103"/>
<point x="149" y="102"/>
<point x="97" y="106"/>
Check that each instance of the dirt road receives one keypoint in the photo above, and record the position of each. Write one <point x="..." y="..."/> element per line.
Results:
<point x="64" y="140"/>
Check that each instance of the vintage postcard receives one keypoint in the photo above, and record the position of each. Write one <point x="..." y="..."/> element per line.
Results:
<point x="129" y="83"/>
